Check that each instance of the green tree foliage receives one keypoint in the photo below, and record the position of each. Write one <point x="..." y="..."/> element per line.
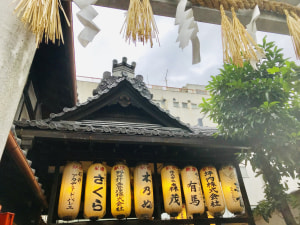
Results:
<point x="262" y="108"/>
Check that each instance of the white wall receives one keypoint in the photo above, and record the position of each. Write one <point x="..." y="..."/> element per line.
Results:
<point x="85" y="90"/>
<point x="188" y="115"/>
<point x="254" y="185"/>
<point x="17" y="48"/>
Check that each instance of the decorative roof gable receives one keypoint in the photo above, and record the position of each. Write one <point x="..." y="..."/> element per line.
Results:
<point x="121" y="99"/>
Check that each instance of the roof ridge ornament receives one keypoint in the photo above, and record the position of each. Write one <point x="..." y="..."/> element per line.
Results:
<point x="124" y="74"/>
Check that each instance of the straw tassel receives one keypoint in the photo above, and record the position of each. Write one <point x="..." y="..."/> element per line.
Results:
<point x="139" y="23"/>
<point x="42" y="18"/>
<point x="230" y="41"/>
<point x="132" y="21"/>
<point x="293" y="23"/>
<point x="238" y="45"/>
<point x="249" y="49"/>
<point x="151" y="30"/>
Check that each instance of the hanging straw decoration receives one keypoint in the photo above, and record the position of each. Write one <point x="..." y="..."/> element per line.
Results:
<point x="293" y="23"/>
<point x="247" y="42"/>
<point x="42" y="18"/>
<point x="139" y="23"/>
<point x="238" y="45"/>
<point x="151" y="30"/>
<point x="132" y="21"/>
<point x="230" y="41"/>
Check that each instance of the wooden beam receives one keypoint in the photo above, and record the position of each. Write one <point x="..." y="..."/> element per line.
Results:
<point x="267" y="22"/>
<point x="131" y="221"/>
<point x="53" y="197"/>
<point x="132" y="139"/>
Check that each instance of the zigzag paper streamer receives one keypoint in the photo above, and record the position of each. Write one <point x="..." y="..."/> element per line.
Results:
<point x="86" y="14"/>
<point x="187" y="30"/>
<point x="251" y="27"/>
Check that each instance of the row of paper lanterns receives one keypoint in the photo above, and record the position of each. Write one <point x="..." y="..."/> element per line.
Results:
<point x="215" y="194"/>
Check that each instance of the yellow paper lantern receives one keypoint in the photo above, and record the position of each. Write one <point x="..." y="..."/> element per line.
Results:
<point x="120" y="191"/>
<point x="212" y="191"/>
<point x="209" y="216"/>
<point x="231" y="189"/>
<point x="182" y="215"/>
<point x="143" y="192"/>
<point x="171" y="190"/>
<point x="192" y="190"/>
<point x="70" y="191"/>
<point x="95" y="192"/>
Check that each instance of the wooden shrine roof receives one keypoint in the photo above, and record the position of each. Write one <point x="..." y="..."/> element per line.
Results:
<point x="143" y="120"/>
<point x="123" y="91"/>
<point x="112" y="127"/>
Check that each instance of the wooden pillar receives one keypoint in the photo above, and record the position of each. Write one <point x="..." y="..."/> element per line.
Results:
<point x="244" y="194"/>
<point x="53" y="196"/>
<point x="157" y="196"/>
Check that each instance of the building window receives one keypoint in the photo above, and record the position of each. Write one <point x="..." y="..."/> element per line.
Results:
<point x="184" y="105"/>
<point x="201" y="92"/>
<point x="194" y="106"/>
<point x="200" y="122"/>
<point x="163" y="103"/>
<point x="176" y="104"/>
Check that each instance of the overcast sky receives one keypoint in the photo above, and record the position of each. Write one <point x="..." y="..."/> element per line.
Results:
<point x="153" y="63"/>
